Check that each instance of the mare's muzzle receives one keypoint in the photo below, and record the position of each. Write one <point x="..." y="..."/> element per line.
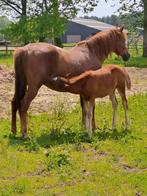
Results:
<point x="126" y="56"/>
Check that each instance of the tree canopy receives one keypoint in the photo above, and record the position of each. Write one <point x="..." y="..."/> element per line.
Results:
<point x="36" y="20"/>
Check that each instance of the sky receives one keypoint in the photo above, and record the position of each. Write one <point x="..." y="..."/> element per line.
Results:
<point x="105" y="9"/>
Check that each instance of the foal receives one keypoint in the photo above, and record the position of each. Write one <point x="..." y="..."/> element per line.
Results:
<point x="99" y="83"/>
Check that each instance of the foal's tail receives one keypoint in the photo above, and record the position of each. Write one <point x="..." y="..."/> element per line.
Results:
<point x="127" y="79"/>
<point x="20" y="78"/>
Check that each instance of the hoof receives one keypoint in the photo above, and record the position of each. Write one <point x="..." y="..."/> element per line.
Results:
<point x="24" y="136"/>
<point x="13" y="131"/>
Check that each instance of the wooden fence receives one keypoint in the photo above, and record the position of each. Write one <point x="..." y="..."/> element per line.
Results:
<point x="7" y="48"/>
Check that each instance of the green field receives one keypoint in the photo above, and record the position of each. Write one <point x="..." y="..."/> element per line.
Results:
<point x="6" y="59"/>
<point x="60" y="159"/>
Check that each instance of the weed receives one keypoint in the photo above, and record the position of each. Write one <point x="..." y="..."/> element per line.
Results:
<point x="57" y="159"/>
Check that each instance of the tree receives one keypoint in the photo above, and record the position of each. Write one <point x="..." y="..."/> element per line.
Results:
<point x="145" y="30"/>
<point x="4" y="22"/>
<point x="36" y="12"/>
<point x="136" y="7"/>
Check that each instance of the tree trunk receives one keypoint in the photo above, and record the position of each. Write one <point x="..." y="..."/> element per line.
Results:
<point x="145" y="30"/>
<point x="24" y="7"/>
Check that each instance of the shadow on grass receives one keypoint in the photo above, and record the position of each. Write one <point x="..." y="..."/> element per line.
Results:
<point x="56" y="138"/>
<point x="112" y="134"/>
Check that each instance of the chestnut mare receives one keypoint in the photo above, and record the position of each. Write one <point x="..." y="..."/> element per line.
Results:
<point x="36" y="63"/>
<point x="100" y="83"/>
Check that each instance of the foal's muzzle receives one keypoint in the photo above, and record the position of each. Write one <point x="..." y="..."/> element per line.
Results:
<point x="126" y="56"/>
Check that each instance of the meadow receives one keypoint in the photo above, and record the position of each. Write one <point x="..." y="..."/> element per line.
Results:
<point x="58" y="157"/>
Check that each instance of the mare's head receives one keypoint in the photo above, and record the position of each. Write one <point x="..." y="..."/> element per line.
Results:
<point x="120" y="47"/>
<point x="104" y="43"/>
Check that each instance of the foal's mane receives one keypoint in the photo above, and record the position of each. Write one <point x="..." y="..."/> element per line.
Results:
<point x="102" y="43"/>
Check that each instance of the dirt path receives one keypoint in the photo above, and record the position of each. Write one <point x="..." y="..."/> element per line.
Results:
<point x="46" y="98"/>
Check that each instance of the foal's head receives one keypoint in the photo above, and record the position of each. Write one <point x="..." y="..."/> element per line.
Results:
<point x="120" y="48"/>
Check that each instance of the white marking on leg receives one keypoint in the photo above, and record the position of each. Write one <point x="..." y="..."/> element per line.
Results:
<point x="126" y="114"/>
<point x="114" y="106"/>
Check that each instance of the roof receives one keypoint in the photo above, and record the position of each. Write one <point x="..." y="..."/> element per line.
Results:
<point x="93" y="24"/>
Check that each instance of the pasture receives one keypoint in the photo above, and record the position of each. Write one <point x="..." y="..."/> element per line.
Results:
<point x="58" y="158"/>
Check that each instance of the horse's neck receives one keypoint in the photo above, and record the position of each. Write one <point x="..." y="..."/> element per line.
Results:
<point x="101" y="47"/>
<point x="82" y="59"/>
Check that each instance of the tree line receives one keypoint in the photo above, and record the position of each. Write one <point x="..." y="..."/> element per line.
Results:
<point x="130" y="20"/>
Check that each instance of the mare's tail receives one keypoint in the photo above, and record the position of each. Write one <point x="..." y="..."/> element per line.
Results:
<point x="127" y="79"/>
<point x="20" y="78"/>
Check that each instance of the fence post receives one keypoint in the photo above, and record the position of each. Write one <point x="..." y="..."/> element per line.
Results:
<point x="6" y="47"/>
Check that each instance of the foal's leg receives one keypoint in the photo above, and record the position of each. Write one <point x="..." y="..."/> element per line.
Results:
<point x="125" y="105"/>
<point x="114" y="106"/>
<point x="25" y="103"/>
<point x="84" y="116"/>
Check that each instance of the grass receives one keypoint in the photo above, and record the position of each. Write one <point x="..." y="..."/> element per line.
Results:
<point x="60" y="159"/>
<point x="136" y="60"/>
<point x="6" y="59"/>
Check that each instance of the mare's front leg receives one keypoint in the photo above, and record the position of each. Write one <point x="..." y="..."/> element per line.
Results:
<point x="93" y="117"/>
<point x="25" y="103"/>
<point x="90" y="116"/>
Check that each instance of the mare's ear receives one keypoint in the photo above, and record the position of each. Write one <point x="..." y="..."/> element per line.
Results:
<point x="121" y="28"/>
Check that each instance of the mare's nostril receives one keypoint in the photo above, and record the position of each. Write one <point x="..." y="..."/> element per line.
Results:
<point x="126" y="56"/>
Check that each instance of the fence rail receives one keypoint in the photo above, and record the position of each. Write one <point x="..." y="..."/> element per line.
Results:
<point x="6" y="48"/>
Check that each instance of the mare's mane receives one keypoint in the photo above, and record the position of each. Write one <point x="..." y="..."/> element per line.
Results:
<point x="102" y="43"/>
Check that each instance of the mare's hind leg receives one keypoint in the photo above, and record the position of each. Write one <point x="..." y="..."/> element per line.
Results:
<point x="125" y="105"/>
<point x="25" y="103"/>
<point x="14" y="108"/>
<point x="83" y="114"/>
<point x="114" y="106"/>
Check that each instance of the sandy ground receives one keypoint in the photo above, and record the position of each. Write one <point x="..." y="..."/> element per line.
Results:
<point x="47" y="98"/>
